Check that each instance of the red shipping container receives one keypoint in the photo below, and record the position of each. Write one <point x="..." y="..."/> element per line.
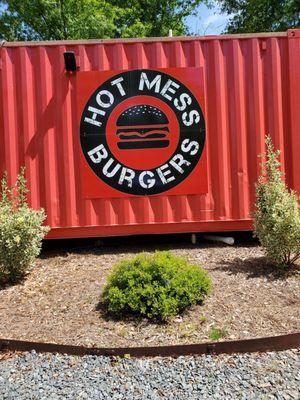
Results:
<point x="150" y="135"/>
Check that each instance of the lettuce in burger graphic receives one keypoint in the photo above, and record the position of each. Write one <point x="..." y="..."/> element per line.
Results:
<point x="142" y="132"/>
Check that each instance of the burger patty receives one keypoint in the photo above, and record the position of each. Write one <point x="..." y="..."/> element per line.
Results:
<point x="143" y="144"/>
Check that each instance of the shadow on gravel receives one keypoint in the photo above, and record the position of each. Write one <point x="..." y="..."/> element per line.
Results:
<point x="6" y="283"/>
<point x="136" y="244"/>
<point x="128" y="318"/>
<point x="255" y="267"/>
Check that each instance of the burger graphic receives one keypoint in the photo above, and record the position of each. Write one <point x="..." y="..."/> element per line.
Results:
<point x="142" y="127"/>
<point x="139" y="136"/>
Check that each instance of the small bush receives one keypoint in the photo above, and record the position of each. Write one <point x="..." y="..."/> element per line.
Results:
<point x="277" y="215"/>
<point x="155" y="286"/>
<point x="21" y="230"/>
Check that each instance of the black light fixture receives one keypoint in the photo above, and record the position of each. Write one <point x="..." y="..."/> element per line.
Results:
<point x="70" y="61"/>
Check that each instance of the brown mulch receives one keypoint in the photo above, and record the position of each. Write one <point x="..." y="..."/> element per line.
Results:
<point x="6" y="355"/>
<point x="58" y="300"/>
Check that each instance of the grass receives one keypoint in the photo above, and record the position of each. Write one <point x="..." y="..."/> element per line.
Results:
<point x="202" y="319"/>
<point x="217" y="333"/>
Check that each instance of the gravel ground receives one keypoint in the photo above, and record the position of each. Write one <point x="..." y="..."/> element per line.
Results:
<point x="256" y="376"/>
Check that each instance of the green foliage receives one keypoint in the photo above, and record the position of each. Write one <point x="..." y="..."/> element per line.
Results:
<point x="261" y="15"/>
<point x="21" y="232"/>
<point x="217" y="333"/>
<point x="277" y="214"/>
<point x="155" y="286"/>
<point x="150" y="18"/>
<point x="57" y="19"/>
<point x="92" y="19"/>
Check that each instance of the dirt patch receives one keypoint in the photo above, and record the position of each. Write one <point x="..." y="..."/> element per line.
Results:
<point x="57" y="302"/>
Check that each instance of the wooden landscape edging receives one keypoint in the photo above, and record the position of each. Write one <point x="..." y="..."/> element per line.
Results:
<point x="273" y="343"/>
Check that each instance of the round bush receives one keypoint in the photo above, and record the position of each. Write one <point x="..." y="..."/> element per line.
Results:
<point x="155" y="286"/>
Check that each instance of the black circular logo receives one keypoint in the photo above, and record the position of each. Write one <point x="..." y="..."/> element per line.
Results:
<point x="142" y="132"/>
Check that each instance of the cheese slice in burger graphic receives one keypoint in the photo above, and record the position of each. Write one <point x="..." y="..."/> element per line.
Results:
<point x="142" y="127"/>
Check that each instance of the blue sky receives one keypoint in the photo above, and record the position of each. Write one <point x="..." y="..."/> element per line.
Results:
<point x="208" y="21"/>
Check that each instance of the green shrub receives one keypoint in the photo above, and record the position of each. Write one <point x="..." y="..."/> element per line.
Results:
<point x="155" y="286"/>
<point x="21" y="230"/>
<point x="277" y="214"/>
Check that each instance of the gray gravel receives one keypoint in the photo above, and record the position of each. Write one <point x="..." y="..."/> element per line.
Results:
<point x="249" y="376"/>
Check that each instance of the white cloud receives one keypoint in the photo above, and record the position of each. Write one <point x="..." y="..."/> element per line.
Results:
<point x="215" y="18"/>
<point x="215" y="22"/>
<point x="208" y="21"/>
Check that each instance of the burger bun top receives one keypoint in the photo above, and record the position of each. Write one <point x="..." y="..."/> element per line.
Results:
<point x="142" y="115"/>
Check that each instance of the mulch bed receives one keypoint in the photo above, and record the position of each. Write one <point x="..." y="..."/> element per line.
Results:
<point x="58" y="301"/>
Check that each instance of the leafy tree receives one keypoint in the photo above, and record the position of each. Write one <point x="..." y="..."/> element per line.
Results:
<point x="155" y="17"/>
<point x="261" y="15"/>
<point x="86" y="19"/>
<point x="57" y="19"/>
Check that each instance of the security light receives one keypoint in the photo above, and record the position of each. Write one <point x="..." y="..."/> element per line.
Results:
<point x="70" y="61"/>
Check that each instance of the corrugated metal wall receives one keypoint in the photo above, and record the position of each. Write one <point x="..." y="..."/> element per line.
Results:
<point x="252" y="87"/>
